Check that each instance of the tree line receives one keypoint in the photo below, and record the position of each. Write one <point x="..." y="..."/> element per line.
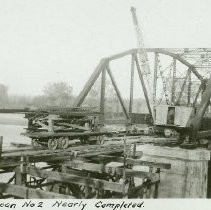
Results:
<point x="61" y="94"/>
<point x="53" y="94"/>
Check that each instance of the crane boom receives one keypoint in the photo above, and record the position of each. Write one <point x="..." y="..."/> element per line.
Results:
<point x="142" y="54"/>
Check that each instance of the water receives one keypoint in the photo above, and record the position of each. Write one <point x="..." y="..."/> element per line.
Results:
<point x="11" y="127"/>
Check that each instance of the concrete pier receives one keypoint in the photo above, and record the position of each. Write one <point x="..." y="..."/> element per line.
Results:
<point x="188" y="176"/>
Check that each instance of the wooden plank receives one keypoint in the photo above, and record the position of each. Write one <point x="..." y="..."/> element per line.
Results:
<point x="81" y="150"/>
<point x="101" y="168"/>
<point x="28" y="193"/>
<point x="108" y="158"/>
<point x="71" y="113"/>
<point x="64" y="134"/>
<point x="204" y="134"/>
<point x="68" y="178"/>
<point x="43" y="126"/>
<point x="74" y="126"/>
<point x="115" y="121"/>
<point x="174" y="153"/>
<point x="94" y="154"/>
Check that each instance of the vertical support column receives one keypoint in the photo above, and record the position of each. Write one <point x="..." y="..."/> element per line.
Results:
<point x="30" y="122"/>
<point x="124" y="168"/>
<point x="20" y="172"/>
<point x="102" y="96"/>
<point x="134" y="150"/>
<point x="173" y="82"/>
<point x="131" y="85"/>
<point x="67" y="187"/>
<point x="149" y="187"/>
<point x="156" y="184"/>
<point x="155" y="77"/>
<point x="189" y="88"/>
<point x="50" y="124"/>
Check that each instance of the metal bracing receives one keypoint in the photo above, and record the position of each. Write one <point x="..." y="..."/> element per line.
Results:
<point x="117" y="91"/>
<point x="189" y="88"/>
<point x="155" y="77"/>
<point x="197" y="95"/>
<point x="79" y="100"/>
<point x="102" y="95"/>
<point x="164" y="83"/>
<point x="103" y="66"/>
<point x="173" y="81"/>
<point x="196" y="121"/>
<point x="160" y="51"/>
<point x="143" y="85"/>
<point x="183" y="87"/>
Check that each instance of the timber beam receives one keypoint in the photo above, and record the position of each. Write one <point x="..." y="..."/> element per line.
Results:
<point x="69" y="178"/>
<point x="101" y="168"/>
<point x="26" y="192"/>
<point x="108" y="158"/>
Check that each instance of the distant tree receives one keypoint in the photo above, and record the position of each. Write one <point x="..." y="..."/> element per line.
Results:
<point x="58" y="94"/>
<point x="19" y="101"/>
<point x="3" y="95"/>
<point x="39" y="101"/>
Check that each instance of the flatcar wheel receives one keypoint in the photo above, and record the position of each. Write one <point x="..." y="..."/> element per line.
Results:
<point x="168" y="132"/>
<point x="52" y="144"/>
<point x="63" y="143"/>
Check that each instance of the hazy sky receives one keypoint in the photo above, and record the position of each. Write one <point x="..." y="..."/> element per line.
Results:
<point x="44" y="41"/>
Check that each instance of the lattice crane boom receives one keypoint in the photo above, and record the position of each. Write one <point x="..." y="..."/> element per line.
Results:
<point x="142" y="54"/>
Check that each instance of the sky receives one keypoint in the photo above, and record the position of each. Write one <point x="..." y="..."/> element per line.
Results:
<point x="47" y="41"/>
